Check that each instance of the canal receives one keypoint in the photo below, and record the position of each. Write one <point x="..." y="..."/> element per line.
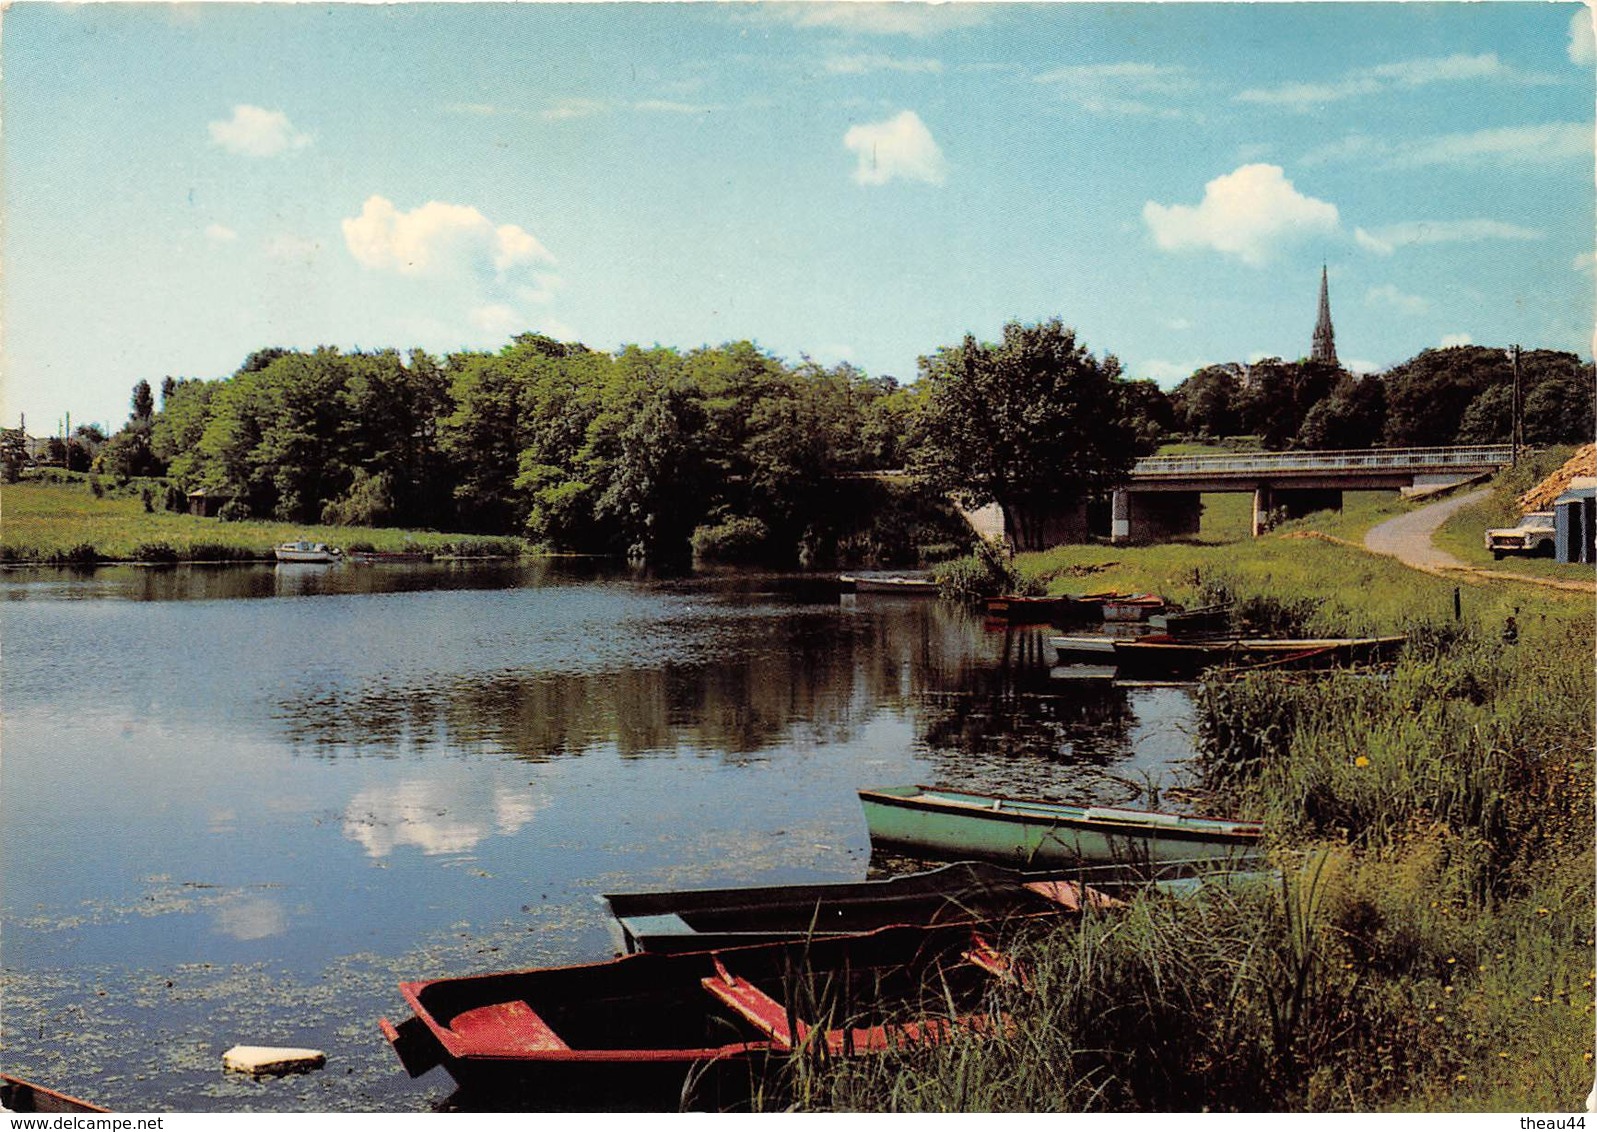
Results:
<point x="238" y="804"/>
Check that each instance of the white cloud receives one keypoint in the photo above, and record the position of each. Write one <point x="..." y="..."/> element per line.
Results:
<point x="665" y="106"/>
<point x="1585" y="261"/>
<point x="898" y="147"/>
<point x="438" y="239"/>
<point x="1179" y="323"/>
<point x="572" y="108"/>
<point x="1384" y="241"/>
<point x="254" y="132"/>
<point x="1582" y="52"/>
<point x="1387" y="295"/>
<point x="866" y="18"/>
<point x="1359" y="365"/>
<point x="1450" y="340"/>
<point x="1247" y="213"/>
<point x="1509" y="145"/>
<point x="220" y="234"/>
<point x="497" y="320"/>
<point x="1166" y="373"/>
<point x="869" y="64"/>
<point x="1385" y="77"/>
<point x="1120" y="88"/>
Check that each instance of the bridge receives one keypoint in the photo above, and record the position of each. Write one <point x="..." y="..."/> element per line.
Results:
<point x="1161" y="500"/>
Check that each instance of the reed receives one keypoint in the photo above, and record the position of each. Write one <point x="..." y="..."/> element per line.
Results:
<point x="1428" y="943"/>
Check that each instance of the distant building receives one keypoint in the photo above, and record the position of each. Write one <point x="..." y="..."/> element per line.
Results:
<point x="1324" y="337"/>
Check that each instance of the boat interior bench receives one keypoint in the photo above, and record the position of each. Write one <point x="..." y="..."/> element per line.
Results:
<point x="513" y="1027"/>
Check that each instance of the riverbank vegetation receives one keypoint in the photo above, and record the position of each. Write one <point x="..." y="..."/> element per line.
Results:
<point x="1428" y="944"/>
<point x="728" y="453"/>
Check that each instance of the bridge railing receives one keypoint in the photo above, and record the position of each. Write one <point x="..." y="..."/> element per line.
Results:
<point x="1383" y="459"/>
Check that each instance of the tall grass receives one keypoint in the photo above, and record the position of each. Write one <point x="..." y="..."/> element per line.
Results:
<point x="1429" y="942"/>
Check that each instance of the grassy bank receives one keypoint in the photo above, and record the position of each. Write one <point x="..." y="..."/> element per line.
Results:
<point x="72" y="522"/>
<point x="1429" y="943"/>
<point x="1463" y="535"/>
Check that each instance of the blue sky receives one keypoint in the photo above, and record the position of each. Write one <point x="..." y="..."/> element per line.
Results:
<point x="185" y="184"/>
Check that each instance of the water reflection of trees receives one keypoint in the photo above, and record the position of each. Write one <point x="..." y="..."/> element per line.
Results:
<point x="744" y="675"/>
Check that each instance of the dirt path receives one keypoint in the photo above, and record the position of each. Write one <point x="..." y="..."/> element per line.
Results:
<point x="1408" y="539"/>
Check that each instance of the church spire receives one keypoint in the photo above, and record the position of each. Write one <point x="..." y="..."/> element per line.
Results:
<point x="1324" y="336"/>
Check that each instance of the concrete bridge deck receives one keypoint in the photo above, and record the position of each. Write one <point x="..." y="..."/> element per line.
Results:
<point x="1161" y="498"/>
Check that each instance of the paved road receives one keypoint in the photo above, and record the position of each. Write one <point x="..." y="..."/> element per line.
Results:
<point x="1408" y="537"/>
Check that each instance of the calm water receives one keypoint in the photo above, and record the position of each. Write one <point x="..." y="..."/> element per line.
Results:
<point x="237" y="805"/>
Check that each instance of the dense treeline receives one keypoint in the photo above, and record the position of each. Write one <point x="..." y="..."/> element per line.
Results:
<point x="732" y="453"/>
<point x="1460" y="395"/>
<point x="615" y="453"/>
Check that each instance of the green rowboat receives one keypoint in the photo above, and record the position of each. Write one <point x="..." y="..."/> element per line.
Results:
<point x="939" y="823"/>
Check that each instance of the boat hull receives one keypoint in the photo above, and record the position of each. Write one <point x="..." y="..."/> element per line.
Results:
<point x="1189" y="658"/>
<point x="17" y="1095"/>
<point x="1045" y="835"/>
<point x="646" y="1030"/>
<point x="964" y="893"/>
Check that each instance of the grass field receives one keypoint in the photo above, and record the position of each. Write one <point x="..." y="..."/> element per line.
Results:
<point x="67" y="521"/>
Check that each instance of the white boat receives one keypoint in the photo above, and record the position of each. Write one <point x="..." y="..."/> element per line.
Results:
<point x="304" y="551"/>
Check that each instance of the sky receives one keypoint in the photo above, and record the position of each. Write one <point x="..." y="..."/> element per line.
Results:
<point x="185" y="184"/>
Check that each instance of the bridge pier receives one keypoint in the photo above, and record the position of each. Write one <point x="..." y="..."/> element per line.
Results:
<point x="1147" y="516"/>
<point x="1292" y="502"/>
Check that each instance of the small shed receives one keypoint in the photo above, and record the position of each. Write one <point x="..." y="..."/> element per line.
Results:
<point x="206" y="502"/>
<point x="1575" y="522"/>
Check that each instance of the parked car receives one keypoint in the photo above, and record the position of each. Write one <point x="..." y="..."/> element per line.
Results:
<point x="1533" y="537"/>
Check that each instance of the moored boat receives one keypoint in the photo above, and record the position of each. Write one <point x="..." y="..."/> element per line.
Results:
<point x="1182" y="622"/>
<point x="1035" y="834"/>
<point x="646" y="1030"/>
<point x="1084" y="649"/>
<point x="968" y="892"/>
<point x="18" y="1095"/>
<point x="1136" y="607"/>
<point x="1169" y="656"/>
<point x="889" y="584"/>
<point x="304" y="550"/>
<point x="1031" y="609"/>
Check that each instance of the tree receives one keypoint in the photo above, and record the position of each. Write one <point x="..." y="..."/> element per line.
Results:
<point x="143" y="401"/>
<point x="1033" y="423"/>
<point x="1208" y="403"/>
<point x="1353" y="416"/>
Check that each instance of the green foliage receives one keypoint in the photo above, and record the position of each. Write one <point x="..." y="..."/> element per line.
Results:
<point x="734" y="539"/>
<point x="984" y="574"/>
<point x="1031" y="423"/>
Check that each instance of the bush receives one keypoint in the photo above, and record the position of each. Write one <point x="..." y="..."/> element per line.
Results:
<point x="984" y="574"/>
<point x="736" y="539"/>
<point x="234" y="511"/>
<point x="159" y="552"/>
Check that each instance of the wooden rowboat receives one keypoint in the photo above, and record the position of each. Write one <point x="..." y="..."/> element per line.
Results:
<point x="1026" y="833"/>
<point x="889" y="584"/>
<point x="1029" y="609"/>
<point x="1185" y="622"/>
<point x="1169" y="656"/>
<point x="1137" y="607"/>
<point x="646" y="1030"/>
<point x="968" y="892"/>
<point x="17" y="1095"/>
